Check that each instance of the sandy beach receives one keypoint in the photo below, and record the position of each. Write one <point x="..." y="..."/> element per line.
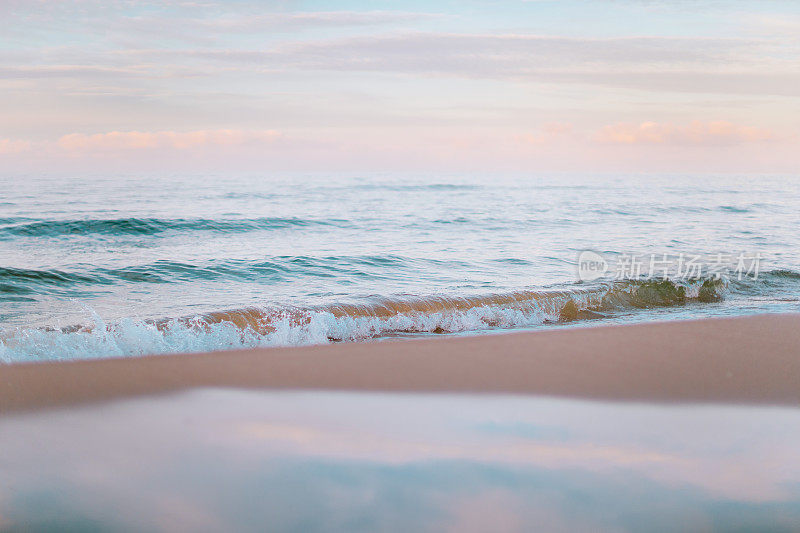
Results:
<point x="699" y="434"/>
<point x="752" y="359"/>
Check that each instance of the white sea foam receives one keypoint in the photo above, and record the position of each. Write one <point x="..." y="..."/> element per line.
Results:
<point x="254" y="327"/>
<point x="131" y="337"/>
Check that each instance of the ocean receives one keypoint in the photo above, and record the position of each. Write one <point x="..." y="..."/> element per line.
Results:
<point x="94" y="267"/>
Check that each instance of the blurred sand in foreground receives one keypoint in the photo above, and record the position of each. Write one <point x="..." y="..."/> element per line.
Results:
<point x="752" y="359"/>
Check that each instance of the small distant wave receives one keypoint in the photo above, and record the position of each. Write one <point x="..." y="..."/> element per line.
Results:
<point x="734" y="209"/>
<point x="421" y="187"/>
<point x="782" y="273"/>
<point x="17" y="281"/>
<point x="250" y="327"/>
<point x="152" y="226"/>
<point x="271" y="270"/>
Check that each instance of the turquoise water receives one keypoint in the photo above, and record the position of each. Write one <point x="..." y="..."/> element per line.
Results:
<point x="222" y="460"/>
<point x="118" y="266"/>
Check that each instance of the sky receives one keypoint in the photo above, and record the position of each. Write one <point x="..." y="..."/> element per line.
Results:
<point x="387" y="86"/>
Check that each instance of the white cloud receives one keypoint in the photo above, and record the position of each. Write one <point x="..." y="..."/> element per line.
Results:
<point x="734" y="66"/>
<point x="288" y="22"/>
<point x="484" y="54"/>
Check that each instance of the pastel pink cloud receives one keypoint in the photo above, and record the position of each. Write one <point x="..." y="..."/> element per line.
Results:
<point x="137" y="140"/>
<point x="695" y="133"/>
<point x="548" y="132"/>
<point x="12" y="146"/>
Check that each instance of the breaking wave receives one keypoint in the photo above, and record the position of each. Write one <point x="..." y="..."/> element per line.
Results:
<point x="255" y="326"/>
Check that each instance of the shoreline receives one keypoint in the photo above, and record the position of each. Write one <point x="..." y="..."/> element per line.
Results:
<point x="752" y="359"/>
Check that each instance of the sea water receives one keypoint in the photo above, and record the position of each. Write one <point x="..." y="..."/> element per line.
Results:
<point x="102" y="266"/>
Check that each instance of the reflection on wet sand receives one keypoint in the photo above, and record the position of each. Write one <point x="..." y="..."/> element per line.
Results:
<point x="232" y="460"/>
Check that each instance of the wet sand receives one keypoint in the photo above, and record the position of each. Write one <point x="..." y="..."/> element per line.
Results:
<point x="734" y="360"/>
